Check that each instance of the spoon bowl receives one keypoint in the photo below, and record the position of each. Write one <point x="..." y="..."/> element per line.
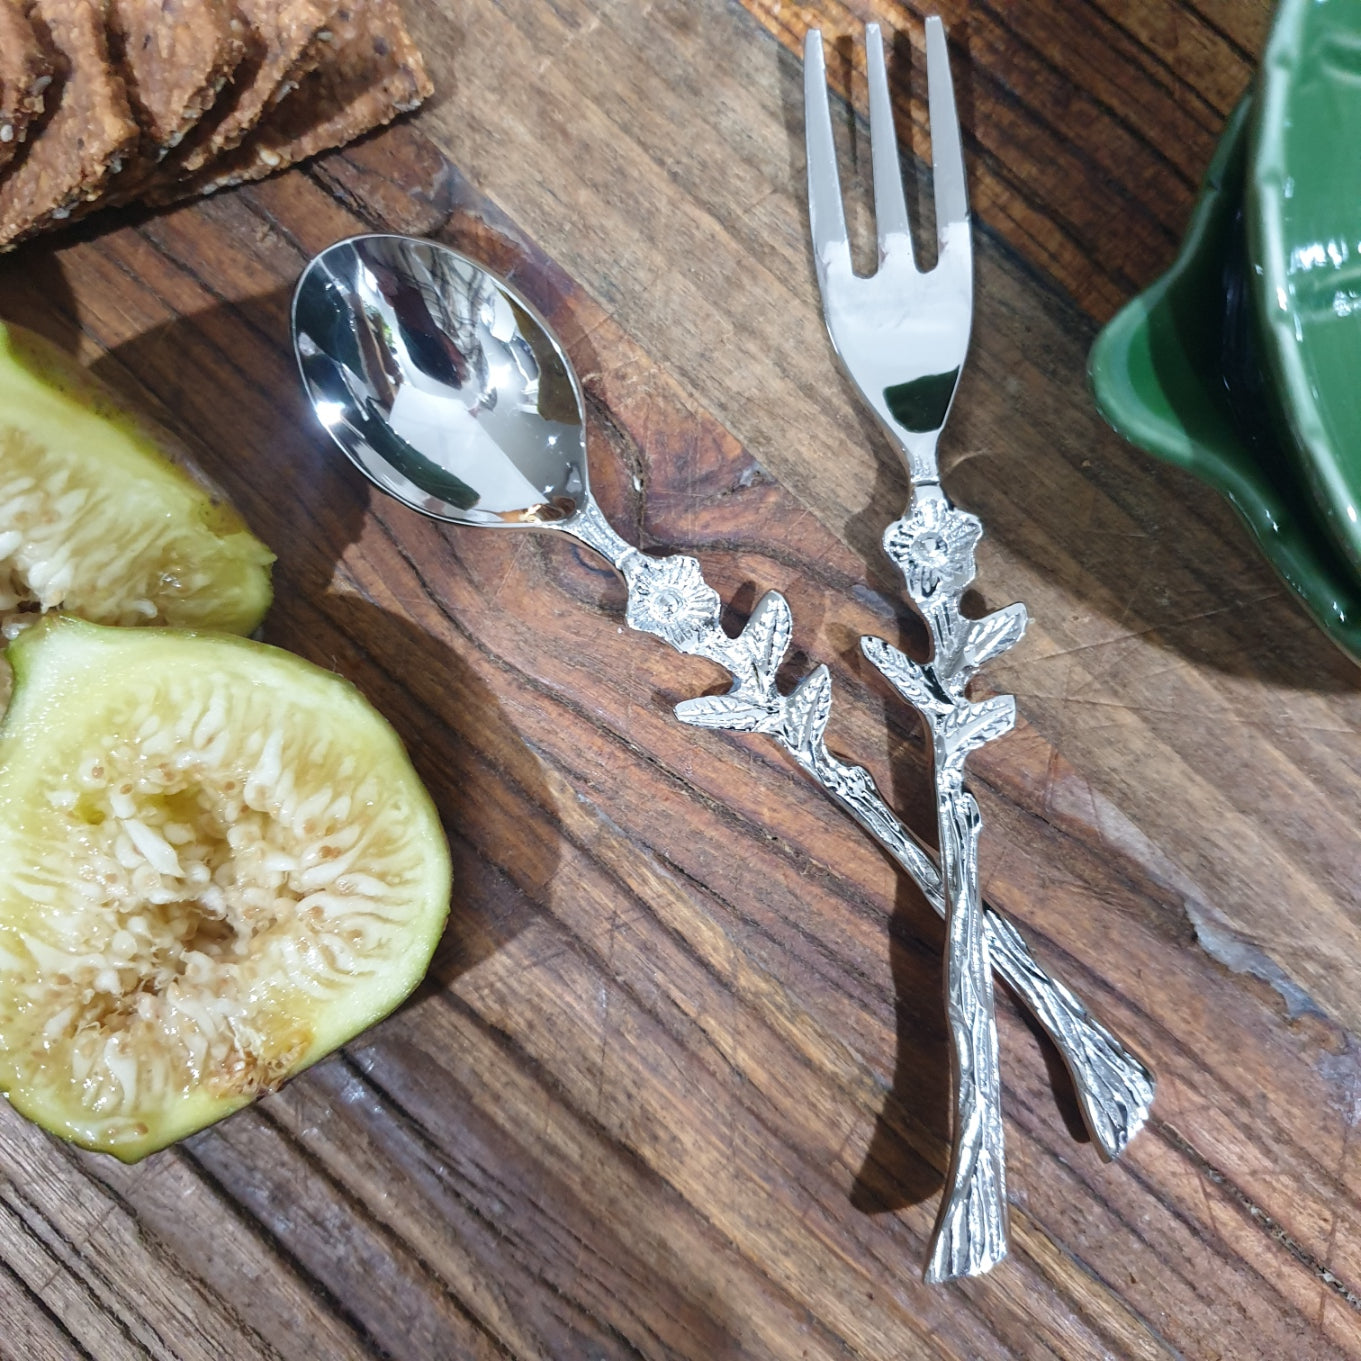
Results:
<point x="440" y="383"/>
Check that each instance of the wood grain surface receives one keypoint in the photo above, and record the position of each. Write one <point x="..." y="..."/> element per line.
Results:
<point x="677" y="1085"/>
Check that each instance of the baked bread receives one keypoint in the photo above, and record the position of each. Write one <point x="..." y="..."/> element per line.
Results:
<point x="25" y="72"/>
<point x="371" y="73"/>
<point x="87" y="128"/>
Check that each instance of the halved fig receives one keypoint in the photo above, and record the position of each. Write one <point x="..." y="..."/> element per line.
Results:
<point x="219" y="865"/>
<point x="96" y="518"/>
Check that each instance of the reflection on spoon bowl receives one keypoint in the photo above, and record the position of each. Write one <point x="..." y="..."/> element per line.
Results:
<point x="440" y="384"/>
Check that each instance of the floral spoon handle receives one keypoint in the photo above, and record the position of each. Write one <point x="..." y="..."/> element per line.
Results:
<point x="669" y="598"/>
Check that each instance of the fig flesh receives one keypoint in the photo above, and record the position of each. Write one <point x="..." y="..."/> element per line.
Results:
<point x="219" y="866"/>
<point x="99" y="520"/>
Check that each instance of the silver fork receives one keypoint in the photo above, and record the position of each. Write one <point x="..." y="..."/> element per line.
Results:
<point x="902" y="335"/>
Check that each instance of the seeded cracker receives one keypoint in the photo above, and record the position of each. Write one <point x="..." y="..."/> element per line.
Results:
<point x="281" y="34"/>
<point x="175" y="56"/>
<point x="318" y="50"/>
<point x="87" y="133"/>
<point x="25" y="72"/>
<point x="374" y="73"/>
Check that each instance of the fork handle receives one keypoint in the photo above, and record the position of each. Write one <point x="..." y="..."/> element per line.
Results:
<point x="933" y="545"/>
<point x="970" y="1236"/>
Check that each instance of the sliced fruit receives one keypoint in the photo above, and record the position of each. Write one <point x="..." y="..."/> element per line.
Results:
<point x="219" y="865"/>
<point x="97" y="520"/>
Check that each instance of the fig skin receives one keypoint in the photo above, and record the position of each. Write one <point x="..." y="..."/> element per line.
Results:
<point x="94" y="1041"/>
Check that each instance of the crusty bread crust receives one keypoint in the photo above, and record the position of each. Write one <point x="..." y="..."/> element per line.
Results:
<point x="25" y="72"/>
<point x="373" y="71"/>
<point x="86" y="130"/>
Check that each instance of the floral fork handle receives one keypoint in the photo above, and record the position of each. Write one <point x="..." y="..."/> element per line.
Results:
<point x="902" y="337"/>
<point x="934" y="545"/>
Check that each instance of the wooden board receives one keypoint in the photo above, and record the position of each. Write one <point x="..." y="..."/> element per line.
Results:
<point x="677" y="1084"/>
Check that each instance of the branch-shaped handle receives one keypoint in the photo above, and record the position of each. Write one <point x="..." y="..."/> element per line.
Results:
<point x="669" y="598"/>
<point x="1115" y="1090"/>
<point x="934" y="546"/>
<point x="970" y="1236"/>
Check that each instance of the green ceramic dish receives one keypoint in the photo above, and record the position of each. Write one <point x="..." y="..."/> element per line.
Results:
<point x="1175" y="373"/>
<point x="1303" y="211"/>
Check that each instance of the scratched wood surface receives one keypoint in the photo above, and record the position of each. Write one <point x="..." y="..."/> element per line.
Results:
<point x="676" y="1086"/>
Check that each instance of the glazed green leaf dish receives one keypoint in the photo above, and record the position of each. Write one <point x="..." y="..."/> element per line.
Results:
<point x="1176" y="373"/>
<point x="1303" y="211"/>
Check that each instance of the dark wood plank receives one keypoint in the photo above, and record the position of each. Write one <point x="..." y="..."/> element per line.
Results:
<point x="676" y="1086"/>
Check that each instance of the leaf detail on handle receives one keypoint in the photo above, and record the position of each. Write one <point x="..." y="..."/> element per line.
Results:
<point x="731" y="712"/>
<point x="970" y="726"/>
<point x="911" y="681"/>
<point x="768" y="633"/>
<point x="992" y="635"/>
<point x="807" y="710"/>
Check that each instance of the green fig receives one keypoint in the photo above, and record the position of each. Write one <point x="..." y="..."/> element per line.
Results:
<point x="218" y="865"/>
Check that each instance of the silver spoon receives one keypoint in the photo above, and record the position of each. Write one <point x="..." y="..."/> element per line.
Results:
<point x="449" y="392"/>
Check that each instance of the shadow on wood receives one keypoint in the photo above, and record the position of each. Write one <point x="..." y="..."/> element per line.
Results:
<point x="46" y="304"/>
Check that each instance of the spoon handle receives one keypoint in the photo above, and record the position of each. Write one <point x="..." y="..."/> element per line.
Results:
<point x="669" y="598"/>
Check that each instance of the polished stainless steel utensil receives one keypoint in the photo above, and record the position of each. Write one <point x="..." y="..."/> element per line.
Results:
<point x="450" y="394"/>
<point x="901" y="335"/>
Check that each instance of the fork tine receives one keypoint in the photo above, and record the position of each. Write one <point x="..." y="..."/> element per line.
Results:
<point x="826" y="215"/>
<point x="947" y="153"/>
<point x="890" y="204"/>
